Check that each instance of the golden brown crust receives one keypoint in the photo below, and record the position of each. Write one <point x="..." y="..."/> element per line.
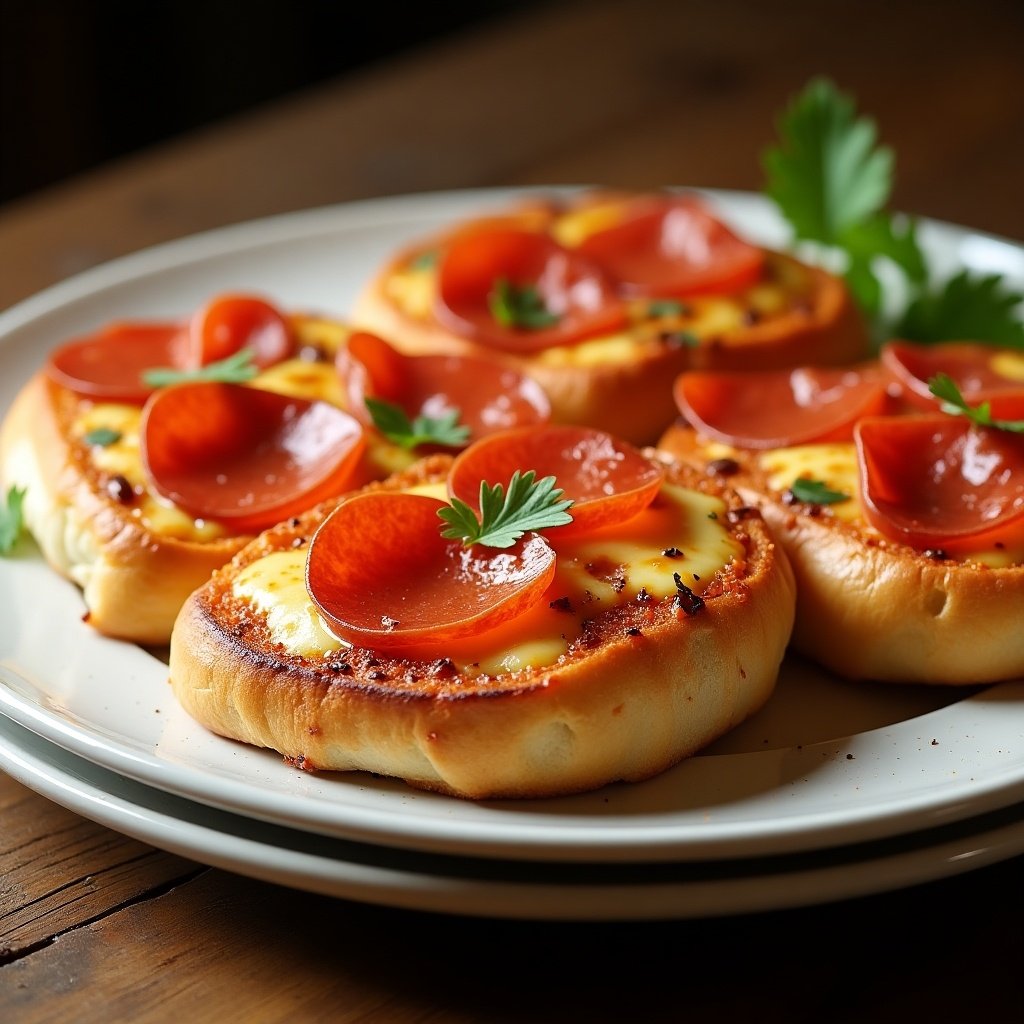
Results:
<point x="869" y="608"/>
<point x="133" y="580"/>
<point x="618" y="706"/>
<point x="629" y="393"/>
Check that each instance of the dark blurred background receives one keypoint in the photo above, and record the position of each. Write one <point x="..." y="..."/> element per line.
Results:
<point x="84" y="81"/>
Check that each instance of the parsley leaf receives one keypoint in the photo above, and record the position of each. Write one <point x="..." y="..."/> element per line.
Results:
<point x="396" y="426"/>
<point x="530" y="504"/>
<point x="815" y="492"/>
<point x="952" y="402"/>
<point x="236" y="369"/>
<point x="102" y="436"/>
<point x="972" y="308"/>
<point x="11" y="518"/>
<point x="827" y="174"/>
<point x="832" y="180"/>
<point x="519" y="306"/>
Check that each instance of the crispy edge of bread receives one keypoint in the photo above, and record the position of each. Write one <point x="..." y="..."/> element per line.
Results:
<point x="133" y="580"/>
<point x="632" y="398"/>
<point x="621" y="707"/>
<point x="872" y="609"/>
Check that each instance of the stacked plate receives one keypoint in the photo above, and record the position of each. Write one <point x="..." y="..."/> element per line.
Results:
<point x="833" y="790"/>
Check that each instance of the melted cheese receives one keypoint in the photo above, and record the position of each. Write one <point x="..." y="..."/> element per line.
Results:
<point x="592" y="575"/>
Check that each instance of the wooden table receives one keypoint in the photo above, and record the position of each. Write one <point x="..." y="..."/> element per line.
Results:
<point x="95" y="926"/>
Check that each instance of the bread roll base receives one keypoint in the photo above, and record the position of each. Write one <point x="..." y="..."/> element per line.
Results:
<point x="618" y="707"/>
<point x="133" y="580"/>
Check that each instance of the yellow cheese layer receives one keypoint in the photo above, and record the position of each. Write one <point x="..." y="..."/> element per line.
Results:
<point x="835" y="465"/>
<point x="294" y="377"/>
<point x="592" y="575"/>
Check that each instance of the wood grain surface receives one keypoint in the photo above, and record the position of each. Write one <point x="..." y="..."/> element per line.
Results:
<point x="98" y="927"/>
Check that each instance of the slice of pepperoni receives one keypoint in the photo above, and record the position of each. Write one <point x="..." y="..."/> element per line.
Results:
<point x="488" y="396"/>
<point x="668" y="246"/>
<point x="109" y="365"/>
<point x="243" y="455"/>
<point x="974" y="368"/>
<point x="939" y="482"/>
<point x="780" y="408"/>
<point x="229" y="323"/>
<point x="484" y="273"/>
<point x="608" y="480"/>
<point x="383" y="577"/>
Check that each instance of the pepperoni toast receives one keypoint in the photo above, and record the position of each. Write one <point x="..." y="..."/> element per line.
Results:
<point x="362" y="635"/>
<point x="897" y="490"/>
<point x="150" y="453"/>
<point x="605" y="298"/>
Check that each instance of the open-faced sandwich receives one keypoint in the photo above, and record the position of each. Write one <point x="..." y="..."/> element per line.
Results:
<point x="549" y="611"/>
<point x="604" y="298"/>
<point x="148" y="453"/>
<point x="897" y="489"/>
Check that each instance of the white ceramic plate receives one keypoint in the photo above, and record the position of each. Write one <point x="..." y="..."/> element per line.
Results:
<point x="501" y="888"/>
<point x="826" y="763"/>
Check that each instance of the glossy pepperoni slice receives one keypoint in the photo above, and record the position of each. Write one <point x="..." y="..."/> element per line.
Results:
<point x="779" y="408"/>
<point x="673" y="246"/>
<point x="938" y="482"/>
<point x="608" y="480"/>
<point x="488" y="397"/>
<point x="108" y="366"/>
<point x="246" y="456"/>
<point x="520" y="291"/>
<point x="383" y="576"/>
<point x="229" y="323"/>
<point x="980" y="372"/>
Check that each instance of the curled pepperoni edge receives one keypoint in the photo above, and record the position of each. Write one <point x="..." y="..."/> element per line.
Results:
<point x="705" y="399"/>
<point x="392" y="540"/>
<point x="883" y="466"/>
<point x="180" y="424"/>
<point x="483" y="391"/>
<point x="542" y="449"/>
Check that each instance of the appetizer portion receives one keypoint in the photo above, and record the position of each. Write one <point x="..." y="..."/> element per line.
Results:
<point x="896" y="488"/>
<point x="550" y="611"/>
<point x="605" y="298"/>
<point x="145" y="454"/>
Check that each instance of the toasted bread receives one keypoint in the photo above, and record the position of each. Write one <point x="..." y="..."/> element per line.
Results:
<point x="619" y="379"/>
<point x="620" y="689"/>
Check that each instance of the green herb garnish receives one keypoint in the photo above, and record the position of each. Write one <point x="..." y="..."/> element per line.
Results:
<point x="425" y="260"/>
<point x="832" y="181"/>
<point x="102" y="436"/>
<point x="659" y="308"/>
<point x="954" y="404"/>
<point x="814" y="492"/>
<point x="396" y="426"/>
<point x="974" y="308"/>
<point x="519" y="306"/>
<point x="11" y="518"/>
<point x="236" y="369"/>
<point x="530" y="504"/>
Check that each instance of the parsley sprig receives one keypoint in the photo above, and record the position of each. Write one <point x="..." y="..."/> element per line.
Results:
<point x="519" y="306"/>
<point x="530" y="504"/>
<point x="832" y="181"/>
<point x="815" y="492"/>
<point x="951" y="401"/>
<point x="236" y="369"/>
<point x="11" y="518"/>
<point x="391" y="420"/>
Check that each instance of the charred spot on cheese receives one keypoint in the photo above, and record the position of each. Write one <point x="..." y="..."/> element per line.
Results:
<point x="686" y="600"/>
